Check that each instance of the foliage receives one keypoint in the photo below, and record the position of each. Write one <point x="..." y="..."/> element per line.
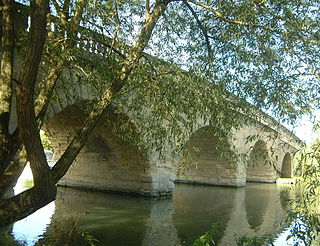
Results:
<point x="305" y="215"/>
<point x="302" y="231"/>
<point x="249" y="42"/>
<point x="207" y="239"/>
<point x="28" y="183"/>
<point x="45" y="141"/>
<point x="91" y="240"/>
<point x="307" y="159"/>
<point x="250" y="241"/>
<point x="7" y="239"/>
<point x="68" y="232"/>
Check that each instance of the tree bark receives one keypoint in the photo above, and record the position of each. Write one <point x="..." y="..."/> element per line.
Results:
<point x="12" y="173"/>
<point x="44" y="190"/>
<point x="6" y="69"/>
<point x="22" y="205"/>
<point x="28" y="128"/>
<point x="15" y="166"/>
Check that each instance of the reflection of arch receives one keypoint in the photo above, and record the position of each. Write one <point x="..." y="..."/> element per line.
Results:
<point x="204" y="163"/>
<point x="260" y="167"/>
<point x="286" y="170"/>
<point x="106" y="162"/>
<point x="202" y="206"/>
<point x="257" y="199"/>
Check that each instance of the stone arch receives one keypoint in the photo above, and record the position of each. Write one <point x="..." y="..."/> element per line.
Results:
<point x="69" y="91"/>
<point x="107" y="162"/>
<point x="260" y="167"/>
<point x="203" y="162"/>
<point x="286" y="168"/>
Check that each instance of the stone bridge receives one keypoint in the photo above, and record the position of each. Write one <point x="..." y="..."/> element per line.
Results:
<point x="108" y="163"/>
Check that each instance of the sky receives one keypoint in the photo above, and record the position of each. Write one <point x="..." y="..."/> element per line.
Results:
<point x="304" y="130"/>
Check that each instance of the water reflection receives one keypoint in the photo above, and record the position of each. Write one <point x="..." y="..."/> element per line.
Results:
<point x="198" y="207"/>
<point x="120" y="220"/>
<point x="257" y="199"/>
<point x="113" y="220"/>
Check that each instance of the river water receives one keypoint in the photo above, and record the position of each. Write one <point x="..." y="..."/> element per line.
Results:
<point x="117" y="220"/>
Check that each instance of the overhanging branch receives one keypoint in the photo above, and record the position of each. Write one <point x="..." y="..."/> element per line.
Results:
<point x="205" y="34"/>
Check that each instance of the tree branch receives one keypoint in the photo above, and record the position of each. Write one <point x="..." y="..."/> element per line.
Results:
<point x="231" y="21"/>
<point x="147" y="8"/>
<point x="75" y="22"/>
<point x="204" y="32"/>
<point x="61" y="13"/>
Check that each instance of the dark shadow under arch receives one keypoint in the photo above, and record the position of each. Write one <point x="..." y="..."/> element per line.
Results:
<point x="286" y="169"/>
<point x="204" y="163"/>
<point x="260" y="168"/>
<point x="108" y="162"/>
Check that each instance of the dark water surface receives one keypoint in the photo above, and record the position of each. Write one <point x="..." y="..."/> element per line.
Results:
<point x="123" y="221"/>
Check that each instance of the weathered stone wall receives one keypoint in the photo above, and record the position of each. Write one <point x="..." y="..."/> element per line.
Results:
<point x="260" y="167"/>
<point x="266" y="152"/>
<point x="286" y="169"/>
<point x="205" y="165"/>
<point x="266" y="157"/>
<point x="105" y="163"/>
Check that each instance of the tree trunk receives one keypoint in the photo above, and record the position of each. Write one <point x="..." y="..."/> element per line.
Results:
<point x="12" y="173"/>
<point x="6" y="68"/>
<point x="28" y="128"/>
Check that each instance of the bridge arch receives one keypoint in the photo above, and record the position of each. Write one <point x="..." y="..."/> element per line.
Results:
<point x="286" y="168"/>
<point x="107" y="162"/>
<point x="260" y="166"/>
<point x="204" y="163"/>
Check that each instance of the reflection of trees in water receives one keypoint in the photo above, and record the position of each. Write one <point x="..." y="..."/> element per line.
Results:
<point x="285" y="196"/>
<point x="197" y="209"/>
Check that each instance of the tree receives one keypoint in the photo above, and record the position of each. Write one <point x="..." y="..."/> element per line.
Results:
<point x="266" y="52"/>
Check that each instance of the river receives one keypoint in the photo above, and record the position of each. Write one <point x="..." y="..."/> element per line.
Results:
<point x="117" y="220"/>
